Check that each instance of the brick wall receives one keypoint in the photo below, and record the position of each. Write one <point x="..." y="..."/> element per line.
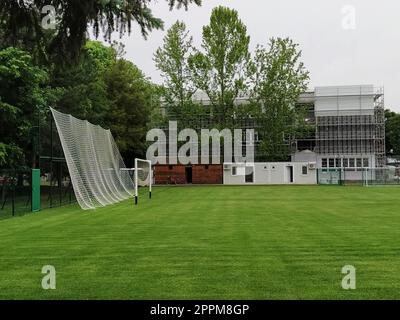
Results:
<point x="211" y="174"/>
<point x="165" y="174"/>
<point x="176" y="174"/>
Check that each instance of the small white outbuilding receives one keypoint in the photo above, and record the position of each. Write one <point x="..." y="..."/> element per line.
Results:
<point x="270" y="173"/>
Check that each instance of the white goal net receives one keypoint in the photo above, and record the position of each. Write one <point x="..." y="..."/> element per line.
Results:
<point x="98" y="173"/>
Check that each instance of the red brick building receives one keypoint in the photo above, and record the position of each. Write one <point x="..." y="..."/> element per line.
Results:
<point x="190" y="174"/>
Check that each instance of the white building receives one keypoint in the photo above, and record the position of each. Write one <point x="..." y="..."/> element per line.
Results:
<point x="264" y="173"/>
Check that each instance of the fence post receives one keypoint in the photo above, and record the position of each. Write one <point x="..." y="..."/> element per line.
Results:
<point x="59" y="180"/>
<point x="35" y="190"/>
<point x="13" y="196"/>
<point x="51" y="163"/>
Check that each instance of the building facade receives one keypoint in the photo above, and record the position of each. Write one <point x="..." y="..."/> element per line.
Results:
<point x="275" y="173"/>
<point x="349" y="130"/>
<point x="346" y="132"/>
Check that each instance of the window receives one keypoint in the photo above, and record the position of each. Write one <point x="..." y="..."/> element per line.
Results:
<point x="324" y="163"/>
<point x="366" y="163"/>
<point x="351" y="163"/>
<point x="331" y="163"/>
<point x="338" y="163"/>
<point x="234" y="171"/>
<point x="304" y="170"/>
<point x="359" y="163"/>
<point x="170" y="167"/>
<point x="345" y="163"/>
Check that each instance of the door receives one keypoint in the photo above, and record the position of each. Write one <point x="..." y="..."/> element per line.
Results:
<point x="249" y="175"/>
<point x="289" y="174"/>
<point x="189" y="174"/>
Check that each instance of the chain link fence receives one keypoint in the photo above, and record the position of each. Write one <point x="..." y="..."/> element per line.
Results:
<point x="16" y="189"/>
<point x="363" y="177"/>
<point x="55" y="182"/>
<point x="15" y="192"/>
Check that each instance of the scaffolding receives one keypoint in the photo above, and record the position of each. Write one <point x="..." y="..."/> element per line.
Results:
<point x="351" y="122"/>
<point x="359" y="130"/>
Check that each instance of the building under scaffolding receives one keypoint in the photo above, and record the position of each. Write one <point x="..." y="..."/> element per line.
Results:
<point x="350" y="127"/>
<point x="346" y="129"/>
<point x="349" y="132"/>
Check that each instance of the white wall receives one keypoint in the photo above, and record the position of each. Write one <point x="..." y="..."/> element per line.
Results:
<point x="271" y="173"/>
<point x="344" y="100"/>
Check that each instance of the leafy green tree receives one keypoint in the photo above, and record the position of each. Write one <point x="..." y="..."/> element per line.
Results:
<point x="392" y="132"/>
<point x="131" y="97"/>
<point x="23" y="20"/>
<point x="158" y="119"/>
<point x="172" y="60"/>
<point x="221" y="69"/>
<point x="279" y="77"/>
<point x="110" y="91"/>
<point x="24" y="96"/>
<point x="85" y="92"/>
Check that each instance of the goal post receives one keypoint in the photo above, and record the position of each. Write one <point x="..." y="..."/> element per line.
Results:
<point x="143" y="176"/>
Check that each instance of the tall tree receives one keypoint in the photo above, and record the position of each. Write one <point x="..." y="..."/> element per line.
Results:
<point x="24" y="96"/>
<point x="131" y="98"/>
<point x="279" y="77"/>
<point x="109" y="91"/>
<point x="392" y="125"/>
<point x="172" y="60"/>
<point x="85" y="91"/>
<point x="23" y="18"/>
<point x="220" y="70"/>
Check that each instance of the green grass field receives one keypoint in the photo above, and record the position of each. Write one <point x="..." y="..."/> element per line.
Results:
<point x="211" y="243"/>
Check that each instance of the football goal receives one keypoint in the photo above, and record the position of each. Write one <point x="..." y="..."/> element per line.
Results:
<point x="143" y="176"/>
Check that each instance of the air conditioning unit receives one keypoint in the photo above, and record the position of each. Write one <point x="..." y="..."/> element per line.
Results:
<point x="312" y="165"/>
<point x="227" y="167"/>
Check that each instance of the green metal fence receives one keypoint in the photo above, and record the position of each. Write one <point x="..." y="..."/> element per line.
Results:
<point x="25" y="191"/>
<point x="18" y="195"/>
<point x="15" y="192"/>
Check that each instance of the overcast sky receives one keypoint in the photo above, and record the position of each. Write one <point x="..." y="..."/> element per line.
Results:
<point x="333" y="52"/>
